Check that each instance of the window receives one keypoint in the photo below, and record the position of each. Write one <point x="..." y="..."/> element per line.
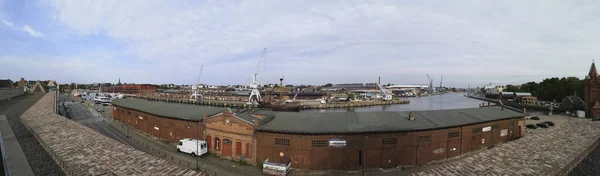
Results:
<point x="453" y="134"/>
<point x="390" y="141"/>
<point x="424" y="138"/>
<point x="319" y="143"/>
<point x="216" y="143"/>
<point x="352" y="142"/>
<point x="279" y="141"/>
<point x="495" y="127"/>
<point x="476" y="130"/>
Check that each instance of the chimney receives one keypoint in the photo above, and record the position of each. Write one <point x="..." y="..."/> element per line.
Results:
<point x="411" y="116"/>
<point x="524" y="112"/>
<point x="502" y="107"/>
<point x="488" y="103"/>
<point x="255" y="122"/>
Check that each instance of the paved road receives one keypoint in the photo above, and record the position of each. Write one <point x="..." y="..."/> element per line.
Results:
<point x="82" y="114"/>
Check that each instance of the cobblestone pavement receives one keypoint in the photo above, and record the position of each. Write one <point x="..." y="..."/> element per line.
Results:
<point x="81" y="151"/>
<point x="540" y="152"/>
<point x="589" y="165"/>
<point x="39" y="160"/>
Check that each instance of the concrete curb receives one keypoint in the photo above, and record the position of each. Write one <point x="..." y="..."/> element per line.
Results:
<point x="16" y="162"/>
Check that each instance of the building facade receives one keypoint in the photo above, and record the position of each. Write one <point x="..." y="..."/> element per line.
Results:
<point x="592" y="93"/>
<point x="325" y="141"/>
<point x="135" y="89"/>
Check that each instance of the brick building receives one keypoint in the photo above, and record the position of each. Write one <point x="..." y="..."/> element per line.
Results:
<point x="317" y="141"/>
<point x="135" y="89"/>
<point x="592" y="94"/>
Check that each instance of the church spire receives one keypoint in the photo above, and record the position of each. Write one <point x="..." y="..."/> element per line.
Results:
<point x="593" y="74"/>
<point x="119" y="83"/>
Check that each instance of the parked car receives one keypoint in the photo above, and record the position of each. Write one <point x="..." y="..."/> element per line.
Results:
<point x="535" y="118"/>
<point x="194" y="147"/>
<point x="550" y="123"/>
<point x="531" y="126"/>
<point x="543" y="125"/>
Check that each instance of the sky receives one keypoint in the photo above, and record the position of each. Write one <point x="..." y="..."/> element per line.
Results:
<point x="308" y="41"/>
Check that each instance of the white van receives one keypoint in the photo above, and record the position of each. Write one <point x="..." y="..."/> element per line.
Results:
<point x="194" y="147"/>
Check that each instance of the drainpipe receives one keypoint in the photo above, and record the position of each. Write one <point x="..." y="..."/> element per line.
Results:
<point x="253" y="138"/>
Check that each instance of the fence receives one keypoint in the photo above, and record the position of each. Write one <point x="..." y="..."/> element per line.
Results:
<point x="569" y="167"/>
<point x="159" y="152"/>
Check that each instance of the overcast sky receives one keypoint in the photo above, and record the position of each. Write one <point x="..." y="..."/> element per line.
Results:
<point x="310" y="42"/>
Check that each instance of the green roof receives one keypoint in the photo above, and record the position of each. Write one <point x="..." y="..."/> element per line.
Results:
<point x="361" y="122"/>
<point x="169" y="110"/>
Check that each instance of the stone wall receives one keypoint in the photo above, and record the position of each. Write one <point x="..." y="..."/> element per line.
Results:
<point x="9" y="93"/>
<point x="79" y="150"/>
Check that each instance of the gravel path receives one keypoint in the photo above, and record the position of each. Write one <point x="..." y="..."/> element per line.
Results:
<point x="38" y="158"/>
<point x="589" y="165"/>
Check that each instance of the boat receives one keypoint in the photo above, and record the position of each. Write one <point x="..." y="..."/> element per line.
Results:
<point x="101" y="99"/>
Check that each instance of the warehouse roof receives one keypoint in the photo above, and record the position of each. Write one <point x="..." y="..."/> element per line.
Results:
<point x="169" y="110"/>
<point x="360" y="122"/>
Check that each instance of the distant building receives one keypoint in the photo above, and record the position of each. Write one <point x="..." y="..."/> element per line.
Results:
<point x="592" y="94"/>
<point x="6" y="83"/>
<point x="22" y="83"/>
<point x="38" y="87"/>
<point x="136" y="89"/>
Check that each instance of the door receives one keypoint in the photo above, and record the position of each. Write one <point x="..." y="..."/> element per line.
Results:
<point x="156" y="131"/>
<point x="227" y="147"/>
<point x="238" y="149"/>
<point x="388" y="157"/>
<point x="208" y="142"/>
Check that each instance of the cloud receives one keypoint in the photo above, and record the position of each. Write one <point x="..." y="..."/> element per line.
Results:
<point x="25" y="28"/>
<point x="32" y="32"/>
<point x="9" y="24"/>
<point x="346" y="41"/>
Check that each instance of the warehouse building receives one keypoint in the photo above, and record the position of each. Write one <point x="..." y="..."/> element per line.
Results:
<point x="326" y="141"/>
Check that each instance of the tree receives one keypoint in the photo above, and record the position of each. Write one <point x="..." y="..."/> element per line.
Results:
<point x="72" y="86"/>
<point x="289" y="85"/>
<point x="551" y="89"/>
<point x="328" y="85"/>
<point x="350" y="97"/>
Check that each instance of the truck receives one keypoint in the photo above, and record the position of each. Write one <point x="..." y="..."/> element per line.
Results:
<point x="195" y="147"/>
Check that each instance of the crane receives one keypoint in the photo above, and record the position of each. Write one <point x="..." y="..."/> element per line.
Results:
<point x="430" y="81"/>
<point x="386" y="95"/>
<point x="195" y="86"/>
<point x="441" y="81"/>
<point x="255" y="94"/>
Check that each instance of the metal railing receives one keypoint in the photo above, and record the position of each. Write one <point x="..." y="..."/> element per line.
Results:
<point x="158" y="152"/>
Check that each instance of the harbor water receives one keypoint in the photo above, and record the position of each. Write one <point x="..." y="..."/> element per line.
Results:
<point x="435" y="102"/>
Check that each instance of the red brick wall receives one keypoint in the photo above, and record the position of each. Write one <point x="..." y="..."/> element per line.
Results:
<point x="171" y="130"/>
<point x="408" y="150"/>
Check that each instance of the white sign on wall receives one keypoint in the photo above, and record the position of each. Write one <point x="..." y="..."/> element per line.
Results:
<point x="503" y="132"/>
<point x="156" y="128"/>
<point x="484" y="129"/>
<point x="337" y="142"/>
<point x="141" y="117"/>
<point x="483" y="141"/>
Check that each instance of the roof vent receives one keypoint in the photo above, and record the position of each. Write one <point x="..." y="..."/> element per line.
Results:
<point x="411" y="116"/>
